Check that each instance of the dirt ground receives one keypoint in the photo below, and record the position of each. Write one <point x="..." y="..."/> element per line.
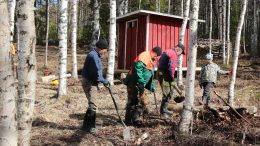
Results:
<point x="58" y="121"/>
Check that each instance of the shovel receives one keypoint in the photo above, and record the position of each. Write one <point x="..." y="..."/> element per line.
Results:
<point x="126" y="131"/>
<point x="180" y="98"/>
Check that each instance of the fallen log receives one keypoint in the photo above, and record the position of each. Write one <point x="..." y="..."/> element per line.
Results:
<point x="251" y="110"/>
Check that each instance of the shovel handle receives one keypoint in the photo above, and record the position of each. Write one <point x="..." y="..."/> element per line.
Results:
<point x="116" y="106"/>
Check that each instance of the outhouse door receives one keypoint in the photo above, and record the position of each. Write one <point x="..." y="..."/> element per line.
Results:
<point x="131" y="42"/>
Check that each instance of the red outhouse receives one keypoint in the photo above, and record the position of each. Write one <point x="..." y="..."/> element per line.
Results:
<point x="142" y="30"/>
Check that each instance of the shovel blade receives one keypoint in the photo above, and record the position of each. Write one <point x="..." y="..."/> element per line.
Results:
<point x="126" y="134"/>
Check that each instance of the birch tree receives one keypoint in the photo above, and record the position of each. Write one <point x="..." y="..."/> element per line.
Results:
<point x="140" y="3"/>
<point x="11" y="12"/>
<point x="123" y="7"/>
<point x="181" y="40"/>
<point x="254" y="31"/>
<point x="8" y="123"/>
<point x="182" y="8"/>
<point x="74" y="6"/>
<point x="236" y="54"/>
<point x="210" y="26"/>
<point x="95" y="22"/>
<point x="157" y="8"/>
<point x="186" y="115"/>
<point x="26" y="69"/>
<point x="169" y="6"/>
<point x="220" y="22"/>
<point x="228" y="33"/>
<point x="47" y="32"/>
<point x="63" y="20"/>
<point x="112" y="42"/>
<point x="224" y="32"/>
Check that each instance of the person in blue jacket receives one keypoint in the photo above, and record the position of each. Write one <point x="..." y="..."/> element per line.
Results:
<point x="92" y="77"/>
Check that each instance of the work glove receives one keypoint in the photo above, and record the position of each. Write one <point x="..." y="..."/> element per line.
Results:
<point x="140" y="88"/>
<point x="106" y="83"/>
<point x="172" y="84"/>
<point x="230" y="70"/>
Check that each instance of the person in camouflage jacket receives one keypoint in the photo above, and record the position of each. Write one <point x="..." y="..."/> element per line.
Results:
<point x="208" y="77"/>
<point x="140" y="76"/>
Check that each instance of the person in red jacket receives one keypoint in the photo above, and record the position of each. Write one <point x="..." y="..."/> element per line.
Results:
<point x="165" y="75"/>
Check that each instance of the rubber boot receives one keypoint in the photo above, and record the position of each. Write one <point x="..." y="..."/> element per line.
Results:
<point x="128" y="116"/>
<point x="164" y="109"/>
<point x="137" y="122"/>
<point x="89" y="123"/>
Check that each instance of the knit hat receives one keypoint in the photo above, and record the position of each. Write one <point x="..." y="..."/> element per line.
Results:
<point x="209" y="56"/>
<point x="157" y="50"/>
<point x="182" y="47"/>
<point x="102" y="44"/>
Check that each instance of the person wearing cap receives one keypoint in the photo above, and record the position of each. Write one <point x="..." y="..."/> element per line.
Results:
<point x="92" y="80"/>
<point x="165" y="75"/>
<point x="208" y="77"/>
<point x="139" y="78"/>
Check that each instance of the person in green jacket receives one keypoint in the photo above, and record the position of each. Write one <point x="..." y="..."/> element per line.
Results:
<point x="141" y="76"/>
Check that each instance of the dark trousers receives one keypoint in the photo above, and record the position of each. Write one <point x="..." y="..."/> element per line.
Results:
<point x="206" y="92"/>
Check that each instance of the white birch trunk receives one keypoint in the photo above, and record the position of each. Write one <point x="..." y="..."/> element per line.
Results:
<point x="157" y="6"/>
<point x="228" y="33"/>
<point x="182" y="8"/>
<point x="123" y="7"/>
<point x="231" y="93"/>
<point x="224" y="32"/>
<point x="140" y="3"/>
<point x="181" y="40"/>
<point x="254" y="35"/>
<point x="112" y="42"/>
<point x="186" y="116"/>
<point x="26" y="69"/>
<point x="8" y="122"/>
<point x="220" y="14"/>
<point x="169" y="6"/>
<point x="95" y="23"/>
<point x="11" y="12"/>
<point x="74" y="38"/>
<point x="47" y="31"/>
<point x="210" y="26"/>
<point x="63" y="16"/>
<point x="244" y="39"/>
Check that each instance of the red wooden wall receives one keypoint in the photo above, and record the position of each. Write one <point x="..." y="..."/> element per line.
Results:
<point x="164" y="32"/>
<point x="134" y="38"/>
<point x="121" y="44"/>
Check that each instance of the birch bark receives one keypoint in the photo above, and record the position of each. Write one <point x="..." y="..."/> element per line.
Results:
<point x="26" y="69"/>
<point x="8" y="121"/>
<point x="181" y="40"/>
<point x="74" y="23"/>
<point x="63" y="17"/>
<point x="186" y="115"/>
<point x="11" y="12"/>
<point x="112" y="42"/>
<point x="231" y="93"/>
